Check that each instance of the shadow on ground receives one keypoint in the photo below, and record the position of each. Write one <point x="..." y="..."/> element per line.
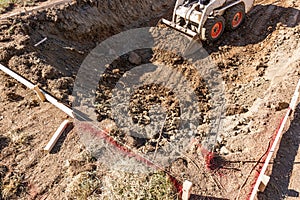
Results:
<point x="260" y="22"/>
<point x="278" y="187"/>
<point x="4" y="142"/>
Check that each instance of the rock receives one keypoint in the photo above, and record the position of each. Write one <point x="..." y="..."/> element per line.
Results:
<point x="235" y="109"/>
<point x="49" y="72"/>
<point x="63" y="83"/>
<point x="220" y="140"/>
<point x="108" y="125"/>
<point x="224" y="151"/>
<point x="130" y="141"/>
<point x="116" y="71"/>
<point x="134" y="58"/>
<point x="149" y="148"/>
<point x="147" y="118"/>
<point x="282" y="106"/>
<point x="260" y="65"/>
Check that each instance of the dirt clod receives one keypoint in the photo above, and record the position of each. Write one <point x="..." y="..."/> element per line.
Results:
<point x="282" y="106"/>
<point x="134" y="58"/>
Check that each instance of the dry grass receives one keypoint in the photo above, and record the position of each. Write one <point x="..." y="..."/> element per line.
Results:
<point x="123" y="185"/>
<point x="20" y="138"/>
<point x="12" y="186"/>
<point x="82" y="186"/>
<point x="5" y="4"/>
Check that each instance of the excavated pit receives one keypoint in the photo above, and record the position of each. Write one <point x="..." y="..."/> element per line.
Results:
<point x="248" y="58"/>
<point x="72" y="31"/>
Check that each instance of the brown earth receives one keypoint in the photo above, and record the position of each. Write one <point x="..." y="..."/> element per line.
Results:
<point x="27" y="7"/>
<point x="260" y="63"/>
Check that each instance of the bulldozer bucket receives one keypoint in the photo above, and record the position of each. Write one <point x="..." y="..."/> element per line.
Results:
<point x="179" y="28"/>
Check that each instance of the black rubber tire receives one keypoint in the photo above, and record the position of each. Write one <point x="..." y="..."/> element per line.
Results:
<point x="210" y="24"/>
<point x="231" y="14"/>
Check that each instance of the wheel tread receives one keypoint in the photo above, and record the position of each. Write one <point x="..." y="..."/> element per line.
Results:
<point x="230" y="13"/>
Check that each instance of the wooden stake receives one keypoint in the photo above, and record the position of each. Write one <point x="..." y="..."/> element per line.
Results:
<point x="28" y="84"/>
<point x="264" y="182"/>
<point x="39" y="93"/>
<point x="56" y="135"/>
<point x="186" y="190"/>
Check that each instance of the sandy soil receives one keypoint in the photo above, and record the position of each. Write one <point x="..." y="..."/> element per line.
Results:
<point x="260" y="63"/>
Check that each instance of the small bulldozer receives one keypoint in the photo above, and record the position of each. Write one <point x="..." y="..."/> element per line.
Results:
<point x="207" y="19"/>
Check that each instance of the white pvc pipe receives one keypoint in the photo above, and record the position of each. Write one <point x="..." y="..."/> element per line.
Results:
<point x="40" y="42"/>
<point x="30" y="85"/>
<point x="17" y="77"/>
<point x="277" y="139"/>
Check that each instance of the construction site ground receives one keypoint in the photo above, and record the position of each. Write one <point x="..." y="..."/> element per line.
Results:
<point x="260" y="64"/>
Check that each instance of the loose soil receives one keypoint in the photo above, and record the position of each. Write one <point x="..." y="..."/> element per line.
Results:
<point x="260" y="64"/>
